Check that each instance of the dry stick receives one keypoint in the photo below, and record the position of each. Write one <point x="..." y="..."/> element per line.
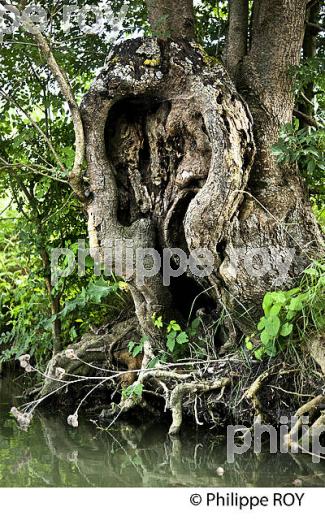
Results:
<point x="252" y="392"/>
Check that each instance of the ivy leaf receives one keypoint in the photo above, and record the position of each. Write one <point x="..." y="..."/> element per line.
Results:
<point x="296" y="303"/>
<point x="267" y="303"/>
<point x="276" y="309"/>
<point x="265" y="338"/>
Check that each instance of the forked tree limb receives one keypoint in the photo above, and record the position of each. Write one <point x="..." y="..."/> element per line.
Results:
<point x="306" y="118"/>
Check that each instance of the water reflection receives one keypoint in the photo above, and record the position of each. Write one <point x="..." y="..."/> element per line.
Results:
<point x="53" y="454"/>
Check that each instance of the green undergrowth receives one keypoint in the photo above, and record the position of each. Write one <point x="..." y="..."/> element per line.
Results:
<point x="291" y="317"/>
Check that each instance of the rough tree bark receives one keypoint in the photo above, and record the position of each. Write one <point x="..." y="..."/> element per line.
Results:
<point x="237" y="35"/>
<point x="178" y="150"/>
<point x="170" y="19"/>
<point x="170" y="153"/>
<point x="180" y="157"/>
<point x="275" y="216"/>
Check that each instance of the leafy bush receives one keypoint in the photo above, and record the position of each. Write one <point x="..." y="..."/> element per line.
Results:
<point x="179" y="343"/>
<point x="307" y="147"/>
<point x="291" y="316"/>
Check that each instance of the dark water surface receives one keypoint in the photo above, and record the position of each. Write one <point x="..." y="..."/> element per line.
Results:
<point x="51" y="453"/>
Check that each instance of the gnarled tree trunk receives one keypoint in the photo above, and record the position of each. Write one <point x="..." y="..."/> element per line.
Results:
<point x="179" y="156"/>
<point x="170" y="149"/>
<point x="172" y="164"/>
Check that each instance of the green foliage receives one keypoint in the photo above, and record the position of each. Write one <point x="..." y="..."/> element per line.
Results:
<point x="133" y="391"/>
<point x="311" y="72"/>
<point x="42" y="212"/>
<point x="291" y="316"/>
<point x="179" y="343"/>
<point x="212" y="21"/>
<point x="177" y="339"/>
<point x="136" y="348"/>
<point x="307" y="147"/>
<point x="87" y="307"/>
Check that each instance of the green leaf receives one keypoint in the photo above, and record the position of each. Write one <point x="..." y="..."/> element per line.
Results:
<point x="131" y="346"/>
<point x="173" y="326"/>
<point x="279" y="297"/>
<point x="286" y="329"/>
<point x="276" y="309"/>
<point x="311" y="271"/>
<point x="158" y="322"/>
<point x="259" y="353"/>
<point x="291" y="315"/>
<point x="267" y="303"/>
<point x="138" y="389"/>
<point x="270" y="350"/>
<point x="153" y="362"/>
<point x="265" y="338"/>
<point x="294" y="291"/>
<point x="171" y="342"/>
<point x="296" y="304"/>
<point x="272" y="326"/>
<point x="261" y="324"/>
<point x="182" y="338"/>
<point x="137" y="350"/>
<point x="193" y="329"/>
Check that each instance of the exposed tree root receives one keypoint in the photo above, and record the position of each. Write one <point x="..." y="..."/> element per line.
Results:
<point x="210" y="392"/>
<point x="180" y="390"/>
<point x="252" y="395"/>
<point x="95" y="353"/>
<point x="301" y="433"/>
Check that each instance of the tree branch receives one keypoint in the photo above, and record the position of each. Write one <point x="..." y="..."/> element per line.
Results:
<point x="170" y="19"/>
<point x="317" y="28"/>
<point x="237" y="34"/>
<point x="76" y="175"/>
<point x="306" y="118"/>
<point x="312" y="3"/>
<point x="36" y="126"/>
